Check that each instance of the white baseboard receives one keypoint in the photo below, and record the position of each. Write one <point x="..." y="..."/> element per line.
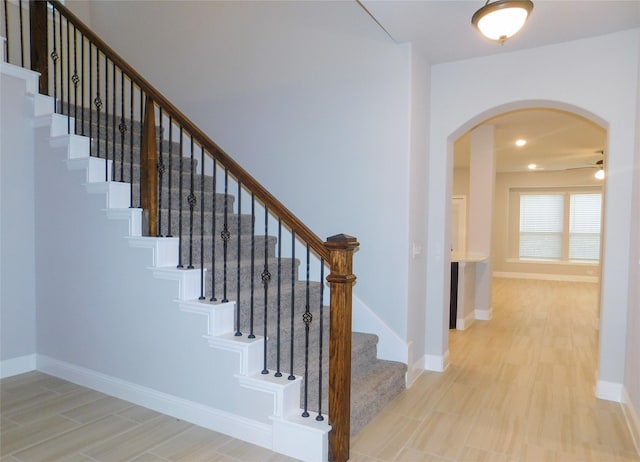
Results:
<point x="465" y="323"/>
<point x="546" y="277"/>
<point x="390" y="345"/>
<point x="414" y="371"/>
<point x="19" y="365"/>
<point x="483" y="315"/>
<point x="235" y="426"/>
<point x="436" y="363"/>
<point x="632" y="418"/>
<point x="611" y="391"/>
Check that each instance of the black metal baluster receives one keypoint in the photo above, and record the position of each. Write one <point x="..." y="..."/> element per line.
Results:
<point x="161" y="170"/>
<point x="180" y="203"/>
<point x="239" y="224"/>
<point x="278" y="304"/>
<point x="68" y="80"/>
<point x="319" y="417"/>
<point x="106" y="118"/>
<point x="169" y="175"/>
<point x="253" y="269"/>
<point x="54" y="58"/>
<point x="82" y="40"/>
<point x="61" y="63"/>
<point x="21" y="35"/>
<point x="98" y="103"/>
<point x="6" y="30"/>
<point x="191" y="200"/>
<point x="307" y="317"/>
<point x="91" y="148"/>
<point x="75" y="79"/>
<point x="293" y="302"/>
<point x="213" y="234"/>
<point x="202" y="297"/>
<point x="225" y="242"/>
<point x="266" y="278"/>
<point x="114" y="127"/>
<point x="131" y="121"/>
<point x="141" y="137"/>
<point x="123" y="125"/>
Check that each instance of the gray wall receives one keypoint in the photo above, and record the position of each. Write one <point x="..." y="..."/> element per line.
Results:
<point x="17" y="261"/>
<point x="314" y="99"/>
<point x="632" y="370"/>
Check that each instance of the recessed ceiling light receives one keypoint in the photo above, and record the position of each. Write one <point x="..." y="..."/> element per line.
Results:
<point x="532" y="166"/>
<point x="521" y="142"/>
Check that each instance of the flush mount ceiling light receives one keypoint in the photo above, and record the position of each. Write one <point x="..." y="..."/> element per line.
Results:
<point x="502" y="19"/>
<point x="599" y="174"/>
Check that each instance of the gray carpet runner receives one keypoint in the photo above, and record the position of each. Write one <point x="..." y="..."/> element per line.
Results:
<point x="374" y="382"/>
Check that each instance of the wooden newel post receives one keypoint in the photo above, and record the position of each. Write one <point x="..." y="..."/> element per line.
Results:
<point x="341" y="280"/>
<point x="38" y="42"/>
<point x="149" y="170"/>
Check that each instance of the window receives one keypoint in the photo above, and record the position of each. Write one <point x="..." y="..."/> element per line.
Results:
<point x="560" y="226"/>
<point x="541" y="219"/>
<point x="584" y="226"/>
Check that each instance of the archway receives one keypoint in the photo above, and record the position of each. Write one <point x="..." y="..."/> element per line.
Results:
<point x="566" y="147"/>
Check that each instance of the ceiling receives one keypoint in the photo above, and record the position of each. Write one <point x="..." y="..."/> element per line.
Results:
<point x="556" y="140"/>
<point x="441" y="30"/>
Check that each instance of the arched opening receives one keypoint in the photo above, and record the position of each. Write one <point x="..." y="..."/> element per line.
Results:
<point x="535" y="228"/>
<point x="475" y="122"/>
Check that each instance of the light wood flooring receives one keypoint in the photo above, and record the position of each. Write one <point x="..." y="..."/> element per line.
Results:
<point x="519" y="388"/>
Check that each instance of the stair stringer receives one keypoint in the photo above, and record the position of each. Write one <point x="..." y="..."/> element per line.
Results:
<point x="286" y="432"/>
<point x="292" y="435"/>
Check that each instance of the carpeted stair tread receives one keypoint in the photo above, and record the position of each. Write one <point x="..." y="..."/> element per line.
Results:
<point x="373" y="390"/>
<point x="180" y="198"/>
<point x="205" y="242"/>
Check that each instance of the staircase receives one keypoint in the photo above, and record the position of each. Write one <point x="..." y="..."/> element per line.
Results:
<point x="231" y="265"/>
<point x="374" y="381"/>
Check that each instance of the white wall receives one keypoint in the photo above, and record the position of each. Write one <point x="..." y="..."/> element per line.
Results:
<point x="17" y="260"/>
<point x="312" y="98"/>
<point x="482" y="178"/>
<point x="417" y="271"/>
<point x="595" y="77"/>
<point x="632" y="371"/>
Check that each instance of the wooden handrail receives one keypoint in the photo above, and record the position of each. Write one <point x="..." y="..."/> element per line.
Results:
<point x="210" y="147"/>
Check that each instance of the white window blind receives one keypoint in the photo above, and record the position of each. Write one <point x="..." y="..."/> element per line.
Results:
<point x="584" y="226"/>
<point x="541" y="225"/>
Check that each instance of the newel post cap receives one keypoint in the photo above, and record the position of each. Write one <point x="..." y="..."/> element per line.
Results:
<point x="342" y="241"/>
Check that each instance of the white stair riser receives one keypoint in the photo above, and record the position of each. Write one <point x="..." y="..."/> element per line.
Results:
<point x="220" y="316"/>
<point x="117" y="195"/>
<point x="165" y="251"/>
<point x="42" y="105"/>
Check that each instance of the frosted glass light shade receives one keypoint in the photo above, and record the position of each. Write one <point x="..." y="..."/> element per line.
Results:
<point x="502" y="19"/>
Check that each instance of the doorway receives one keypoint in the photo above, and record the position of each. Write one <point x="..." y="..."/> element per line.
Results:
<point x="539" y="153"/>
